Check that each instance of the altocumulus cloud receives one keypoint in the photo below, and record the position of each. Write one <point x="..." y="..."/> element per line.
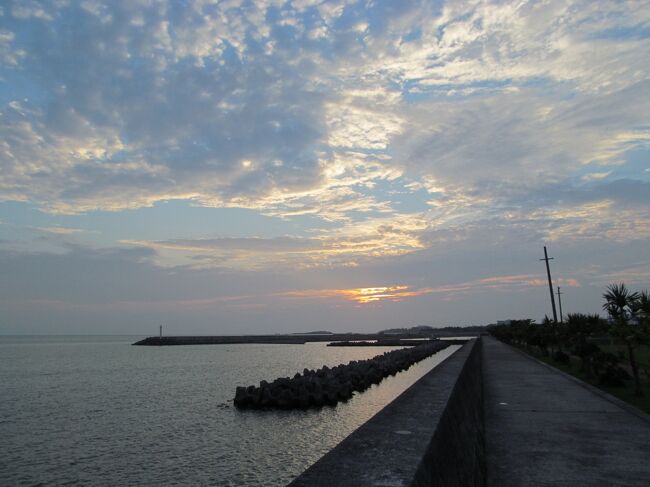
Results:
<point x="395" y="129"/>
<point x="259" y="104"/>
<point x="348" y="246"/>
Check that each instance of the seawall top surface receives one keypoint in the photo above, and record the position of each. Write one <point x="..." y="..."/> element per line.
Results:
<point x="543" y="428"/>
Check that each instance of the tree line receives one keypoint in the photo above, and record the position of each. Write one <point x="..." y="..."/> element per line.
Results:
<point x="584" y="336"/>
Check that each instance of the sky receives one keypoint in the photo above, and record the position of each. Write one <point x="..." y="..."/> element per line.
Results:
<point x="225" y="167"/>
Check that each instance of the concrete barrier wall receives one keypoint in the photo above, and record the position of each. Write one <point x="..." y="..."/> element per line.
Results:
<point x="456" y="454"/>
<point x="432" y="434"/>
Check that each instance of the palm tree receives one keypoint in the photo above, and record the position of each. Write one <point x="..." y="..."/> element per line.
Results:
<point x="620" y="303"/>
<point x="642" y="305"/>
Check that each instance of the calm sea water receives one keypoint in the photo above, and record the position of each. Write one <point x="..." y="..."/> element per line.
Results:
<point x="97" y="411"/>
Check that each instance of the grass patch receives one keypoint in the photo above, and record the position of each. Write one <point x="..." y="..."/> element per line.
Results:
<point x="642" y="354"/>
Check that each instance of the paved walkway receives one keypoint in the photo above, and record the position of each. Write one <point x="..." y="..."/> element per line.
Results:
<point x="544" y="429"/>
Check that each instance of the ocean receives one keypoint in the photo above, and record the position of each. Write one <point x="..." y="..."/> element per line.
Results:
<point x="91" y="410"/>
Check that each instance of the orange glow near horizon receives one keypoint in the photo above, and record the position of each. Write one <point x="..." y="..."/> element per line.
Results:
<point x="362" y="295"/>
<point x="399" y="292"/>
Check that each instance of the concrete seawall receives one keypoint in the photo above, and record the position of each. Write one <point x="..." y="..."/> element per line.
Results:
<point x="491" y="415"/>
<point x="432" y="434"/>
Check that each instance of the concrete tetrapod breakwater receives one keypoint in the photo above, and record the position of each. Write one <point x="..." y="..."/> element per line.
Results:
<point x="325" y="386"/>
<point x="400" y="342"/>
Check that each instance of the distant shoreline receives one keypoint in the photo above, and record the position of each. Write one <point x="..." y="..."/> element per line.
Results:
<point x="292" y="339"/>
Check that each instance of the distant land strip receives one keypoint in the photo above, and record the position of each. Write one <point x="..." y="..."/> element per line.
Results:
<point x="294" y="339"/>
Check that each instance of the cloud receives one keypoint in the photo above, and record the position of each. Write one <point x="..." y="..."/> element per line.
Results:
<point x="595" y="176"/>
<point x="146" y="111"/>
<point x="366" y="295"/>
<point x="347" y="246"/>
<point x="519" y="138"/>
<point x="244" y="105"/>
<point x="500" y="283"/>
<point x="471" y="42"/>
<point x="378" y="137"/>
<point x="85" y="289"/>
<point x="639" y="274"/>
<point x="61" y="230"/>
<point x="359" y="296"/>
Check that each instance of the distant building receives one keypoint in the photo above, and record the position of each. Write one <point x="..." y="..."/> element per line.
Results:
<point x="414" y="330"/>
<point x="631" y="320"/>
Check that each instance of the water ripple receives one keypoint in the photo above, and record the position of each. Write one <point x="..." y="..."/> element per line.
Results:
<point x="102" y="412"/>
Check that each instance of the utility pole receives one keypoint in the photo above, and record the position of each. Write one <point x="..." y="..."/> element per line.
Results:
<point x="559" y="301"/>
<point x="550" y="283"/>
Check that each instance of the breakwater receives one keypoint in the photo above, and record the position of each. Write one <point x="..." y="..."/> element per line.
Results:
<point x="403" y="342"/>
<point x="296" y="339"/>
<point x="325" y="386"/>
<point x="378" y="343"/>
